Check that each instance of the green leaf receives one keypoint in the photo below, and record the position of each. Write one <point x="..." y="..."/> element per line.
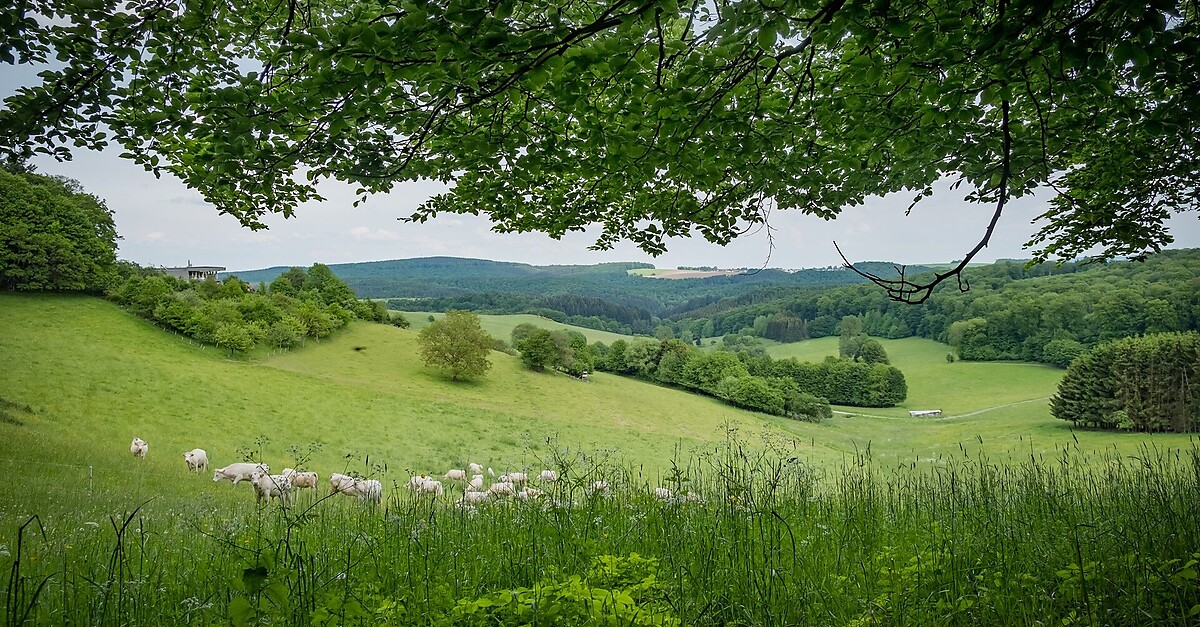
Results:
<point x="253" y="579"/>
<point x="766" y="37"/>
<point x="240" y="612"/>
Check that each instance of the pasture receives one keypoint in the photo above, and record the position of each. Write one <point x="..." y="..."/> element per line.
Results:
<point x="501" y="326"/>
<point x="995" y="514"/>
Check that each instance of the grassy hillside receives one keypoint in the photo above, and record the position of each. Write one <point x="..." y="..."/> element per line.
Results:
<point x="933" y="383"/>
<point x="501" y="326"/>
<point x="79" y="378"/>
<point x="95" y="377"/>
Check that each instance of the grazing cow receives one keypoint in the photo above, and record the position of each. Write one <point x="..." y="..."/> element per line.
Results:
<point x="267" y="487"/>
<point x="197" y="459"/>
<point x="241" y="471"/>
<point x="502" y="488"/>
<point x="301" y="479"/>
<point x="339" y="482"/>
<point x="139" y="447"/>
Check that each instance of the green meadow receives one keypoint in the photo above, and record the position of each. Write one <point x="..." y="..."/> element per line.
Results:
<point x="995" y="513"/>
<point x="501" y="326"/>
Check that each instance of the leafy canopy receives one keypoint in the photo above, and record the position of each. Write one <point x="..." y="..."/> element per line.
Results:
<point x="457" y="345"/>
<point x="54" y="235"/>
<point x="714" y="113"/>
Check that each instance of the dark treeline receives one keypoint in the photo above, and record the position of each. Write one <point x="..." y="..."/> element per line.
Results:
<point x="1149" y="383"/>
<point x="232" y="314"/>
<point x="784" y="387"/>
<point x="454" y="278"/>
<point x="584" y="311"/>
<point x="1045" y="313"/>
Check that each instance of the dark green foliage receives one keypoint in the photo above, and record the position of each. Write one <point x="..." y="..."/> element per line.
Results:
<point x="706" y="370"/>
<point x="522" y="331"/>
<point x="753" y="393"/>
<point x="54" y="236"/>
<point x="1010" y="312"/>
<point x="870" y="351"/>
<point x="231" y="315"/>
<point x="562" y="349"/>
<point x="808" y="407"/>
<point x="1149" y="383"/>
<point x="1062" y="352"/>
<point x="538" y="349"/>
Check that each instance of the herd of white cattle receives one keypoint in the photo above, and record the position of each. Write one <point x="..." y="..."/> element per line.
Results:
<point x="476" y="489"/>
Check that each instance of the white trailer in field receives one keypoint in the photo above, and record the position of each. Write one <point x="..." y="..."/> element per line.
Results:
<point x="925" y="413"/>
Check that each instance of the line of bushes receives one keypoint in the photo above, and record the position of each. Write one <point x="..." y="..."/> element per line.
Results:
<point x="232" y="314"/>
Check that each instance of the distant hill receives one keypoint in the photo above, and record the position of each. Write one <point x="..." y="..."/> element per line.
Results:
<point x="455" y="278"/>
<point x="1045" y="312"/>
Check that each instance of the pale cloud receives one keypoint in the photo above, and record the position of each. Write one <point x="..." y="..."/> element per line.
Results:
<point x="154" y="236"/>
<point x="247" y="236"/>
<point x="378" y="235"/>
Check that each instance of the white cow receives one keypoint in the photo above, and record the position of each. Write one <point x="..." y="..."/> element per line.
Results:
<point x="301" y="479"/>
<point x="241" y="471"/>
<point x="367" y="490"/>
<point x="339" y="482"/>
<point x="267" y="487"/>
<point x="139" y="447"/>
<point x="197" y="459"/>
<point x="432" y="486"/>
<point x="364" y="489"/>
<point x="502" y="488"/>
<point x="473" y="497"/>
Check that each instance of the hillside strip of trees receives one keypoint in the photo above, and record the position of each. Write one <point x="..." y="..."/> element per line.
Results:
<point x="1045" y="313"/>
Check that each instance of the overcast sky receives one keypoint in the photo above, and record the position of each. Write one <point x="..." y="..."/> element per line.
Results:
<point x="163" y="223"/>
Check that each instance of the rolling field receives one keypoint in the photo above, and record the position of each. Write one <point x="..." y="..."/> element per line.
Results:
<point x="501" y="326"/>
<point x="822" y="524"/>
<point x="86" y="367"/>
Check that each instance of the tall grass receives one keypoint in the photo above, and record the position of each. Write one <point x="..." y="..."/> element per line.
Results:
<point x="1072" y="539"/>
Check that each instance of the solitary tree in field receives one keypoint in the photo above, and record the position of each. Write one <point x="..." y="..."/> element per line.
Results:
<point x="647" y="119"/>
<point x="457" y="345"/>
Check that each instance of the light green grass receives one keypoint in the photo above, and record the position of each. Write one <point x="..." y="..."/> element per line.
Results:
<point x="807" y="529"/>
<point x="933" y="383"/>
<point x="501" y="326"/>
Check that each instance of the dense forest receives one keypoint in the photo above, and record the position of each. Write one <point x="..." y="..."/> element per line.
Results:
<point x="1048" y="313"/>
<point x="498" y="287"/>
<point x="1148" y="383"/>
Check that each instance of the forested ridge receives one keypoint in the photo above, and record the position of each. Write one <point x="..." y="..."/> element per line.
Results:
<point x="1045" y="312"/>
<point x="614" y="299"/>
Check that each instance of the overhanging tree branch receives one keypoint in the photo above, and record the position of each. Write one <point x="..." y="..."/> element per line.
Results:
<point x="916" y="292"/>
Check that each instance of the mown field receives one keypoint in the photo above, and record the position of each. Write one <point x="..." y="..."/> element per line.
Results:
<point x="997" y="514"/>
<point x="501" y="326"/>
